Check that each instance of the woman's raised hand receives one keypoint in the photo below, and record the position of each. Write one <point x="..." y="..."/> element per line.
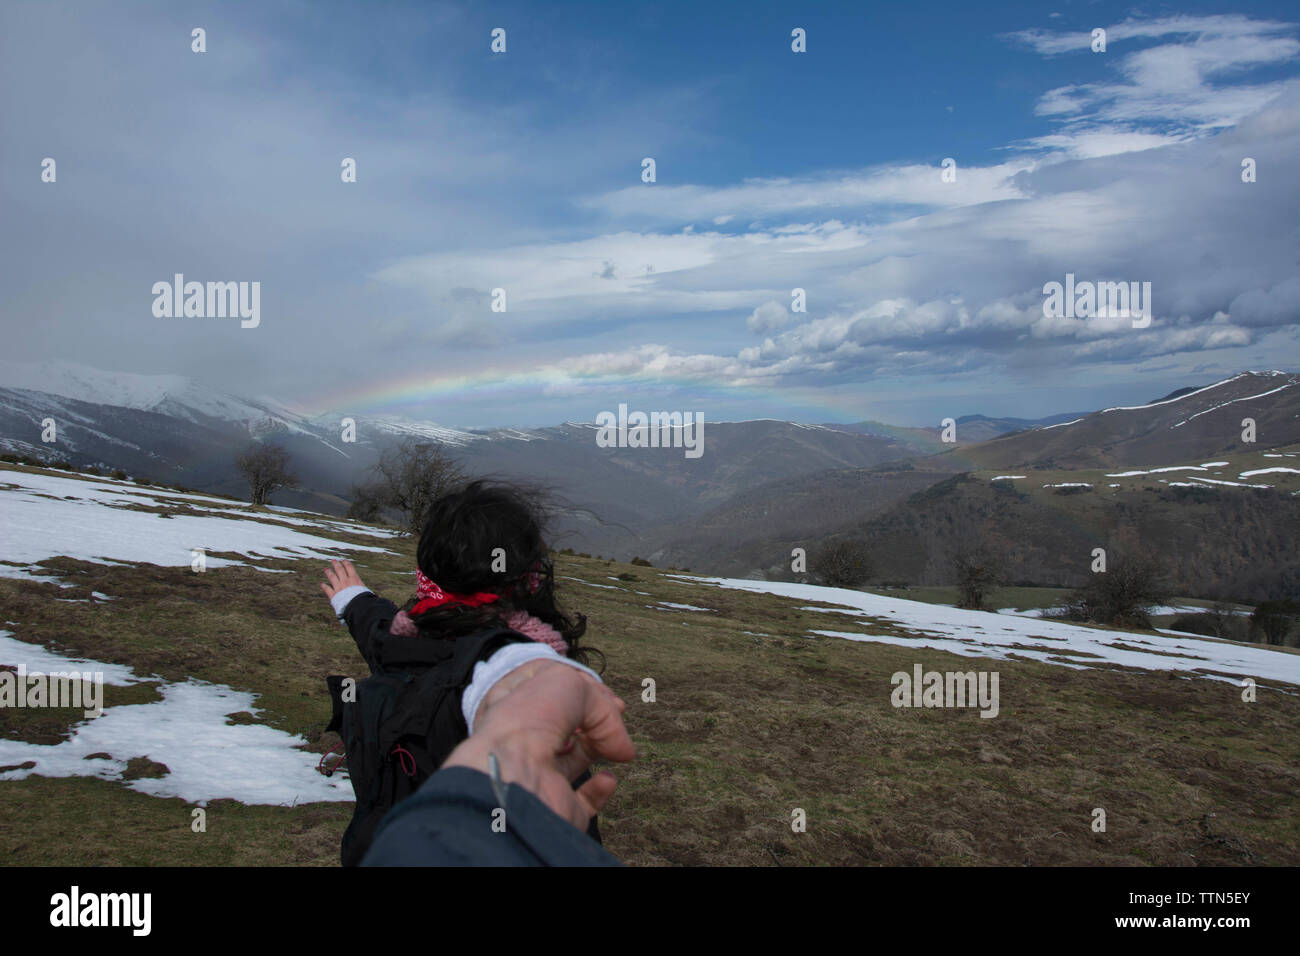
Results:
<point x="340" y="575"/>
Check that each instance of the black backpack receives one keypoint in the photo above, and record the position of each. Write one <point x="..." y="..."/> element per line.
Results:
<point x="404" y="720"/>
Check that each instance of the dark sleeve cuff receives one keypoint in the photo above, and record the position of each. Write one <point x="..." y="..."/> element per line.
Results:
<point x="449" y="822"/>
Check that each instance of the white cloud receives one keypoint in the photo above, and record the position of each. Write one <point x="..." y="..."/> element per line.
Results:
<point x="904" y="185"/>
<point x="1225" y="25"/>
<point x="1135" y="175"/>
<point x="1172" y="82"/>
<point x="1279" y="305"/>
<point x="768" y="316"/>
<point x="961" y="288"/>
<point x="1085" y="143"/>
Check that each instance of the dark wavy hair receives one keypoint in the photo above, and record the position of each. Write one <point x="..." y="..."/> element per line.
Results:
<point x="458" y="550"/>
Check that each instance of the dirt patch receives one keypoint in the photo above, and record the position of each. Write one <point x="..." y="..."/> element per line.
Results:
<point x="142" y="767"/>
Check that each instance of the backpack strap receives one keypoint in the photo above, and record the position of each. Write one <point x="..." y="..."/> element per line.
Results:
<point x="394" y="653"/>
<point x="471" y="650"/>
<point x="405" y="722"/>
<point x="413" y="655"/>
<point x="335" y="684"/>
<point x="475" y="648"/>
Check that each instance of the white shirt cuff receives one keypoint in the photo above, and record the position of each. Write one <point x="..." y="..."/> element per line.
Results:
<point x="488" y="672"/>
<point x="341" y="600"/>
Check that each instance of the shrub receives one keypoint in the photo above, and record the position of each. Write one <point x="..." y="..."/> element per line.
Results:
<point x="1218" y="621"/>
<point x="977" y="573"/>
<point x="843" y="564"/>
<point x="1071" y="490"/>
<point x="1276" y="619"/>
<point x="1008" y="489"/>
<point x="367" y="502"/>
<point x="1195" y="624"/>
<point x="1121" y="596"/>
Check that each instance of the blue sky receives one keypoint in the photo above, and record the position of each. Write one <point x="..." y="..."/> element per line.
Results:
<point x="775" y="170"/>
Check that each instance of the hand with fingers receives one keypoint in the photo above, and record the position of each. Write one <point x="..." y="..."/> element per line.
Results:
<point x="340" y="575"/>
<point x="547" y="722"/>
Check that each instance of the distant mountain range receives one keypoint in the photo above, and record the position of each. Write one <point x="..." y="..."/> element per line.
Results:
<point x="172" y="429"/>
<point x="1189" y="423"/>
<point x="758" y="480"/>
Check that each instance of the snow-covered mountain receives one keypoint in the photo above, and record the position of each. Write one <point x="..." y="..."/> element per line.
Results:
<point x="169" y="428"/>
<point x="173" y="395"/>
<point x="188" y="400"/>
<point x="1202" y="422"/>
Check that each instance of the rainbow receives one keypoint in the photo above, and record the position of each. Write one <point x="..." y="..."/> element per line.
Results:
<point x="394" y="393"/>
<point x="397" y="395"/>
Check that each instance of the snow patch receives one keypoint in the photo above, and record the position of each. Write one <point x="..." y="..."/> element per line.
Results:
<point x="1269" y="471"/>
<point x="45" y="516"/>
<point x="963" y="632"/>
<point x="207" y="757"/>
<point x="590" y="584"/>
<point x="1214" y="481"/>
<point x="1245" y="398"/>
<point x="1159" y="471"/>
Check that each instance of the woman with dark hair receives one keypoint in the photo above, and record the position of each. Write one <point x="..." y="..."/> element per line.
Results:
<point x="484" y="606"/>
<point x="489" y="539"/>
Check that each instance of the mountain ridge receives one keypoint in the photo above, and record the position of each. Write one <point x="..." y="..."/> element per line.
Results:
<point x="181" y="396"/>
<point x="756" y="478"/>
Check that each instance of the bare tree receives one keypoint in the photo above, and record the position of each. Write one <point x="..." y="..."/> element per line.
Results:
<point x="409" y="478"/>
<point x="843" y="564"/>
<point x="1221" y="618"/>
<point x="1122" y="595"/>
<point x="266" y="469"/>
<point x="977" y="573"/>
<point x="367" y="502"/>
<point x="1276" y="619"/>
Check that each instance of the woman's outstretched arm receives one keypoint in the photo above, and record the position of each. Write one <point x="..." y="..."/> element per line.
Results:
<point x="365" y="613"/>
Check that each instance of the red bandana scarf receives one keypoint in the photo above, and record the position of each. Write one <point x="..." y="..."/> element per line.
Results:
<point x="432" y="596"/>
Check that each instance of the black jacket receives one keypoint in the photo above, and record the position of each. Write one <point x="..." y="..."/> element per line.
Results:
<point x="437" y="720"/>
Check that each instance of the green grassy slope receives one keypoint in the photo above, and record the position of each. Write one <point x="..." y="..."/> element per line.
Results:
<point x="752" y="719"/>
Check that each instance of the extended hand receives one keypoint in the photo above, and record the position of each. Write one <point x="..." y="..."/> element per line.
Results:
<point x="529" y="720"/>
<point x="340" y="575"/>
